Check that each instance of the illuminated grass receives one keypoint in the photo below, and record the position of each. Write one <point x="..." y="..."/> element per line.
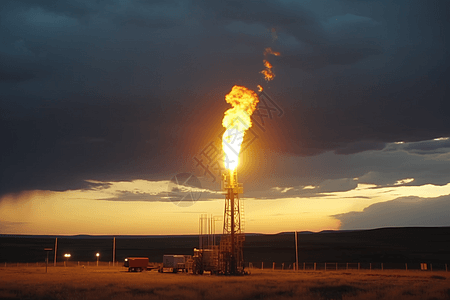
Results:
<point x="116" y="283"/>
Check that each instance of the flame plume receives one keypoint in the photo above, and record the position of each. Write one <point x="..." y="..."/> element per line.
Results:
<point x="236" y="121"/>
<point x="268" y="73"/>
<point x="270" y="51"/>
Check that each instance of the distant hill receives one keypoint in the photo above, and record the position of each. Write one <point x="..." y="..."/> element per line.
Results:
<point x="399" y="245"/>
<point x="389" y="245"/>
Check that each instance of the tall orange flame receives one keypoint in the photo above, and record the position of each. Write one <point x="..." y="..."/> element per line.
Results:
<point x="236" y="121"/>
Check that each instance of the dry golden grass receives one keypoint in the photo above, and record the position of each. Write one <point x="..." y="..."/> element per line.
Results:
<point x="115" y="283"/>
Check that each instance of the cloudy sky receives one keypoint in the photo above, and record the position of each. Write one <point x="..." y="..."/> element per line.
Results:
<point x="103" y="102"/>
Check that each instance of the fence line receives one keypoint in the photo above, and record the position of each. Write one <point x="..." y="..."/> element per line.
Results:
<point x="69" y="263"/>
<point x="304" y="266"/>
<point x="335" y="266"/>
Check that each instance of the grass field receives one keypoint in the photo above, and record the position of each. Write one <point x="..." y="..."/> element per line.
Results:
<point x="115" y="283"/>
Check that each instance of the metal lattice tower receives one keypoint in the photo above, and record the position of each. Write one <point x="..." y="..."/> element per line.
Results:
<point x="231" y="259"/>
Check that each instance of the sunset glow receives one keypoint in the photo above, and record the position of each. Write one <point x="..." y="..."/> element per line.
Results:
<point x="74" y="212"/>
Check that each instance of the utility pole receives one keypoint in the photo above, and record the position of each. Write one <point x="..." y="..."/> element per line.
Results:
<point x="296" y="252"/>
<point x="114" y="251"/>
<point x="46" y="261"/>
<point x="56" y="248"/>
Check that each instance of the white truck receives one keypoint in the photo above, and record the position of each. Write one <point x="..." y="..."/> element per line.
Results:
<point x="175" y="263"/>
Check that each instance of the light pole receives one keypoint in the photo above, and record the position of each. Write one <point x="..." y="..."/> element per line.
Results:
<point x="46" y="261"/>
<point x="98" y="255"/>
<point x="67" y="256"/>
<point x="296" y="251"/>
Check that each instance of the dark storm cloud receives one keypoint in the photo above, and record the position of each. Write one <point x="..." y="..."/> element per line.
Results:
<point x="359" y="146"/>
<point x="75" y="9"/>
<point x="17" y="62"/>
<point x="203" y="195"/>
<point x="315" y="43"/>
<point x="124" y="90"/>
<point x="345" y="40"/>
<point x="388" y="167"/>
<point x="428" y="147"/>
<point x="401" y="212"/>
<point x="63" y="147"/>
<point x="137" y="12"/>
<point x="329" y="172"/>
<point x="395" y="95"/>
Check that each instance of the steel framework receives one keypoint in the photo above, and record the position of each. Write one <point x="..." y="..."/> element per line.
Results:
<point x="231" y="259"/>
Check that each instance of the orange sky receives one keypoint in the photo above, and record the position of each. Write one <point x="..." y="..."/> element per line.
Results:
<point x="83" y="211"/>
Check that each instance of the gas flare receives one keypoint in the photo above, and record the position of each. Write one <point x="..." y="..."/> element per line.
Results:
<point x="268" y="73"/>
<point x="236" y="121"/>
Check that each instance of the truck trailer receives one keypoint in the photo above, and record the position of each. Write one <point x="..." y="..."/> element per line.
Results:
<point x="136" y="264"/>
<point x="206" y="260"/>
<point x="176" y="263"/>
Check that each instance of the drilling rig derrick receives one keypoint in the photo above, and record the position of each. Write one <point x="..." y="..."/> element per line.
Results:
<point x="231" y="259"/>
